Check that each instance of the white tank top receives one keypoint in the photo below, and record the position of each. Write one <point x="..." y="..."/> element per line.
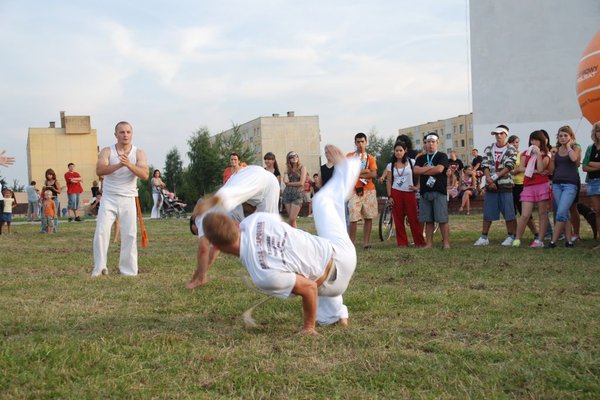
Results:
<point x="122" y="182"/>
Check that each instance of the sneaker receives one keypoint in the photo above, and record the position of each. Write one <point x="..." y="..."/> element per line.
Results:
<point x="77" y="219"/>
<point x="508" y="241"/>
<point x="561" y="237"/>
<point x="569" y="244"/>
<point x="516" y="243"/>
<point x="481" y="242"/>
<point x="70" y="219"/>
<point x="548" y="236"/>
<point x="575" y="238"/>
<point x="551" y="245"/>
<point x="537" y="244"/>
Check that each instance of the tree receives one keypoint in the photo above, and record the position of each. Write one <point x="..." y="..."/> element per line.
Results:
<point x="204" y="172"/>
<point x="382" y="150"/>
<point x="173" y="171"/>
<point x="233" y="143"/>
<point x="17" y="187"/>
<point x="145" y="192"/>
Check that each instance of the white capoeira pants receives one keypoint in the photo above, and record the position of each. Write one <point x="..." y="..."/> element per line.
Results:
<point x="112" y="208"/>
<point x="330" y="221"/>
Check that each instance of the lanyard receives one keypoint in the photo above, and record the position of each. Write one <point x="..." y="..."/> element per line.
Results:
<point x="364" y="161"/>
<point x="430" y="160"/>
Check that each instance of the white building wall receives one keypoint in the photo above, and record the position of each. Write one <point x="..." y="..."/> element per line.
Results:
<point x="524" y="57"/>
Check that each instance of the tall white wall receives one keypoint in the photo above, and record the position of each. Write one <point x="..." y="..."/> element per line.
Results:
<point x="524" y="57"/>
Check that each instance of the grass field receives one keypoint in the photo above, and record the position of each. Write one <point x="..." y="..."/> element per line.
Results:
<point x="481" y="323"/>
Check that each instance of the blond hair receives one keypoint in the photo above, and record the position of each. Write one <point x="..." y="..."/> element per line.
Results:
<point x="595" y="128"/>
<point x="219" y="229"/>
<point x="566" y="129"/>
<point x="291" y="168"/>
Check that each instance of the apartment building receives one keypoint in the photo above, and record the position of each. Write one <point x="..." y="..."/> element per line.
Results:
<point x="455" y="133"/>
<point x="281" y="134"/>
<point x="51" y="147"/>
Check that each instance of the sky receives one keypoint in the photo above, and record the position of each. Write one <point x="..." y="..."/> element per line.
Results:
<point x="171" y="68"/>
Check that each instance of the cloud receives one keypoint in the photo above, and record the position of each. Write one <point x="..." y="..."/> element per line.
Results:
<point x="173" y="69"/>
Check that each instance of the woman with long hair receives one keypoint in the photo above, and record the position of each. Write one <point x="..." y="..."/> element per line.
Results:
<point x="157" y="186"/>
<point x="535" y="162"/>
<point x="518" y="177"/>
<point x="52" y="184"/>
<point x="468" y="188"/>
<point x="293" y="179"/>
<point x="591" y="165"/>
<point x="401" y="192"/>
<point x="272" y="166"/>
<point x="565" y="182"/>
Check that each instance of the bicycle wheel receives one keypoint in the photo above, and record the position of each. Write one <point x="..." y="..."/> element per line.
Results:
<point x="386" y="223"/>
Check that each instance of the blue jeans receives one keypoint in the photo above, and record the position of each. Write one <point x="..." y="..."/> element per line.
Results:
<point x="564" y="195"/>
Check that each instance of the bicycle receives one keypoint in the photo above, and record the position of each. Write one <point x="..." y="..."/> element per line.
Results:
<point x="386" y="222"/>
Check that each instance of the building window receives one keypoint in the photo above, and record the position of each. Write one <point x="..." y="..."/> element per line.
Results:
<point x="471" y="142"/>
<point x="448" y="136"/>
<point x="462" y="142"/>
<point x="461" y="128"/>
<point x="418" y="141"/>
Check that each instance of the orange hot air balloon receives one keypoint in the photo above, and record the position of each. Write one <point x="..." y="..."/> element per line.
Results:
<point x="588" y="81"/>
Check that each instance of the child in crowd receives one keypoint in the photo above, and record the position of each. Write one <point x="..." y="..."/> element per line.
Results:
<point x="535" y="163"/>
<point x="9" y="203"/>
<point x="49" y="212"/>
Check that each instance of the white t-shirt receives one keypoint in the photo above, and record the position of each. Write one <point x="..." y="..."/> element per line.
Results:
<point x="403" y="177"/>
<point x="252" y="184"/>
<point x="498" y="153"/>
<point x="273" y="253"/>
<point x="8" y="204"/>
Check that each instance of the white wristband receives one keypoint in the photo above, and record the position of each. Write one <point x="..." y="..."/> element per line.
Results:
<point x="494" y="177"/>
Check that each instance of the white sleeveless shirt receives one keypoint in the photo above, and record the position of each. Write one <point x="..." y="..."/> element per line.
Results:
<point x="122" y="182"/>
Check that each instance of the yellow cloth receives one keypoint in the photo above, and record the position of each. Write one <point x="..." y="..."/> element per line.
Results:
<point x="518" y="178"/>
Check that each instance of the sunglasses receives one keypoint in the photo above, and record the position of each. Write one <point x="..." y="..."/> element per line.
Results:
<point x="293" y="156"/>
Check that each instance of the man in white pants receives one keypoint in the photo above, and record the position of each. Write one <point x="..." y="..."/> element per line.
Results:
<point x="120" y="164"/>
<point x="282" y="260"/>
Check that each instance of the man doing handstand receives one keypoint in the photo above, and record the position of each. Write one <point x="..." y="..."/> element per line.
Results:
<point x="282" y="260"/>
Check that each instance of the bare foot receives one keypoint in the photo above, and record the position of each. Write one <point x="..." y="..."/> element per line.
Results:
<point x="343" y="322"/>
<point x="194" y="284"/>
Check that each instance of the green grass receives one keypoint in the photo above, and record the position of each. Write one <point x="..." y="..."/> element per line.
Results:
<point x="471" y="322"/>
